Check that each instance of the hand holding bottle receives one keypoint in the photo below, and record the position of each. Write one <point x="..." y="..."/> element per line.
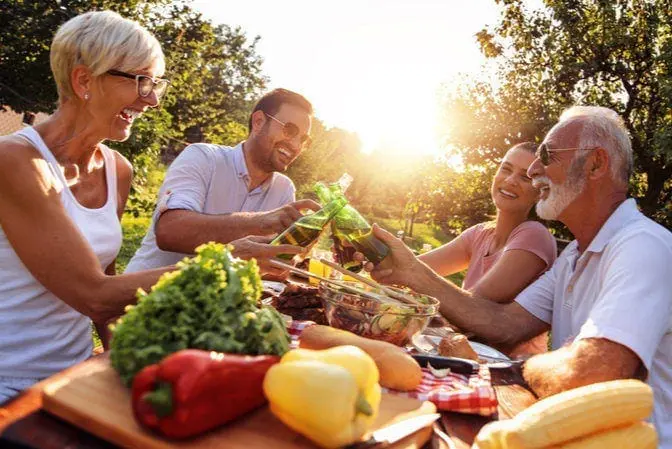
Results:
<point x="277" y="220"/>
<point x="399" y="267"/>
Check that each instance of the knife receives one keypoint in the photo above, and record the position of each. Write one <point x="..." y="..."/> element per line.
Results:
<point x="456" y="364"/>
<point x="395" y="432"/>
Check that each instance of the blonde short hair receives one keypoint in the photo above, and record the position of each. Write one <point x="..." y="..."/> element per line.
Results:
<point x="101" y="40"/>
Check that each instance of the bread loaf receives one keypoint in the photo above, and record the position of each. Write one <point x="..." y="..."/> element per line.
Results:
<point x="398" y="370"/>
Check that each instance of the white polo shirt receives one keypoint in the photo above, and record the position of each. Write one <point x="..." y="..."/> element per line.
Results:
<point x="208" y="179"/>
<point x="619" y="289"/>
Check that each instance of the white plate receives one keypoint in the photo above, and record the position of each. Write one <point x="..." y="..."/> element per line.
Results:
<point x="277" y="287"/>
<point x="485" y="352"/>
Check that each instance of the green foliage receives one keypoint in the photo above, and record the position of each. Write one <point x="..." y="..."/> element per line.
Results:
<point x="333" y="153"/>
<point x="148" y="176"/>
<point x="134" y="230"/>
<point x="615" y="54"/>
<point x="209" y="303"/>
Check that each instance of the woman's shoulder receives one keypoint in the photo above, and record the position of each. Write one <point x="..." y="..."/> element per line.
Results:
<point x="475" y="234"/>
<point x="23" y="170"/>
<point x="17" y="155"/>
<point x="534" y="236"/>
<point x="532" y="227"/>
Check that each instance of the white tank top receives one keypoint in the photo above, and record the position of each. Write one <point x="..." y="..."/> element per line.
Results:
<point x="40" y="334"/>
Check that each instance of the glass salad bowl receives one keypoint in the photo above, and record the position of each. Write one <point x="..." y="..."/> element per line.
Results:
<point x="378" y="317"/>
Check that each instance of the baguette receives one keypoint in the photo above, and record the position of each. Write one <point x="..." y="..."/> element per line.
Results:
<point x="398" y="370"/>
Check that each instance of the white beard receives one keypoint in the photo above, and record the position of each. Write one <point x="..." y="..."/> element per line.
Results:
<point x="559" y="197"/>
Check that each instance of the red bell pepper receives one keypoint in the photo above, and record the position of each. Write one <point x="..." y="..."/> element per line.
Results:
<point x="192" y="391"/>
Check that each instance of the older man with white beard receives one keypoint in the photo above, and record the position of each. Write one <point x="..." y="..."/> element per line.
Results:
<point x="607" y="299"/>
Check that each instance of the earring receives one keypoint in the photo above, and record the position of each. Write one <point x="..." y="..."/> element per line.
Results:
<point x="86" y="96"/>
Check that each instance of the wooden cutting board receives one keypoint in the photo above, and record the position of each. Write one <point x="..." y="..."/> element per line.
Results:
<point x="91" y="396"/>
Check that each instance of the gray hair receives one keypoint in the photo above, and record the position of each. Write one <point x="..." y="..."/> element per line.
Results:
<point x="604" y="128"/>
<point x="101" y="40"/>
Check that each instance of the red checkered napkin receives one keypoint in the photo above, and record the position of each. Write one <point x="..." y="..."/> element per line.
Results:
<point x="472" y="394"/>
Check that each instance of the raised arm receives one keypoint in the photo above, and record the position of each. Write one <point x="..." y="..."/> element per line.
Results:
<point x="181" y="231"/>
<point x="49" y="243"/>
<point x="503" y="325"/>
<point x="181" y="223"/>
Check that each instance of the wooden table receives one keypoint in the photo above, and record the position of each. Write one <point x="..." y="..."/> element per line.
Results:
<point x="24" y="425"/>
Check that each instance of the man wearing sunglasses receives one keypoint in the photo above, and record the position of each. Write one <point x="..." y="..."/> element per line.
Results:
<point x="607" y="299"/>
<point x="217" y="193"/>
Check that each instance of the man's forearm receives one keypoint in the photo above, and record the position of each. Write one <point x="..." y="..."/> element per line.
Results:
<point x="489" y="320"/>
<point x="583" y="362"/>
<point x="183" y="231"/>
<point x="549" y="373"/>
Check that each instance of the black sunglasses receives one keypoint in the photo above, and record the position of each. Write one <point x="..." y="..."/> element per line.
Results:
<point x="146" y="84"/>
<point x="290" y="130"/>
<point x="544" y="153"/>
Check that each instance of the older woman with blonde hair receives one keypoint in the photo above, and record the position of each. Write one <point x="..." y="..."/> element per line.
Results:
<point x="62" y="192"/>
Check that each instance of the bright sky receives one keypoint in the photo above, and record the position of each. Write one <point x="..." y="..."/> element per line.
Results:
<point x="374" y="67"/>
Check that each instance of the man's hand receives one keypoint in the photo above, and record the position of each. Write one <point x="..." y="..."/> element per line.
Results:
<point x="277" y="220"/>
<point x="259" y="248"/>
<point x="399" y="265"/>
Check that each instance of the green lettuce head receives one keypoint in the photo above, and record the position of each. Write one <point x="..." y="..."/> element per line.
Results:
<point x="209" y="302"/>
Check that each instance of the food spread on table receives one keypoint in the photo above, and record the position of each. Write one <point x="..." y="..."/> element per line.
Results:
<point x="202" y="349"/>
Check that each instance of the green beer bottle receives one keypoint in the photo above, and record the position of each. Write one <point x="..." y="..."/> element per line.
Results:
<point x="306" y="230"/>
<point x="350" y="225"/>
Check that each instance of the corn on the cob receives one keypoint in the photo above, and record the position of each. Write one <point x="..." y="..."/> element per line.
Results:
<point x="640" y="435"/>
<point x="578" y="412"/>
<point x="490" y="435"/>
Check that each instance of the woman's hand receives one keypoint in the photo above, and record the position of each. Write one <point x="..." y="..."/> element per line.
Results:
<point x="399" y="267"/>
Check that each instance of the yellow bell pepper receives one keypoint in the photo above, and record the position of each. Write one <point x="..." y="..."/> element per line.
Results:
<point x="330" y="396"/>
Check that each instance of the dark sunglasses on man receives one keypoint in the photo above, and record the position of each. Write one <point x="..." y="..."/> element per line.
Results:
<point x="146" y="84"/>
<point x="544" y="153"/>
<point x="290" y="130"/>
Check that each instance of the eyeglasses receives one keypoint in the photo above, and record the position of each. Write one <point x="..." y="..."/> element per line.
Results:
<point x="290" y="130"/>
<point x="544" y="153"/>
<point x="146" y="84"/>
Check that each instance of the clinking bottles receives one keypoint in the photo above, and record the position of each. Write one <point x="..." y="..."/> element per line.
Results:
<point x="359" y="233"/>
<point x="306" y="230"/>
<point x="350" y="225"/>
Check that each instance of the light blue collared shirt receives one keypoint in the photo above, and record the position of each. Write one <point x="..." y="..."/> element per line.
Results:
<point x="209" y="179"/>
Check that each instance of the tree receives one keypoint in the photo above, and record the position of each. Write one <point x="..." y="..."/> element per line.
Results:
<point x="616" y="54"/>
<point x="333" y="152"/>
